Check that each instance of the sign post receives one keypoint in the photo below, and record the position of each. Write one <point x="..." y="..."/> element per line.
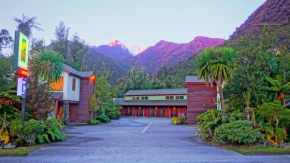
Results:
<point x="20" y="67"/>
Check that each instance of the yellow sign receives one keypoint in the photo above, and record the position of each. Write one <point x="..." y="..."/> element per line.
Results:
<point x="23" y="51"/>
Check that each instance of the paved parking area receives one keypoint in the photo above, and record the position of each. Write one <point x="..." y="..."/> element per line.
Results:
<point x="147" y="140"/>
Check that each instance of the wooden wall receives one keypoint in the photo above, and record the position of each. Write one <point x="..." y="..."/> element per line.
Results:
<point x="200" y="98"/>
<point x="79" y="113"/>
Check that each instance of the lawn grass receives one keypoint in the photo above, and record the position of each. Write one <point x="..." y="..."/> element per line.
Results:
<point x="19" y="151"/>
<point x="259" y="150"/>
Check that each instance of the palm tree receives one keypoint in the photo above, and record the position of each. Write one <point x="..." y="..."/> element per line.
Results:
<point x="26" y="24"/>
<point x="278" y="86"/>
<point x="47" y="64"/>
<point x="216" y="64"/>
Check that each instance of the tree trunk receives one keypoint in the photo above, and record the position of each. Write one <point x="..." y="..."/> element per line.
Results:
<point x="219" y="85"/>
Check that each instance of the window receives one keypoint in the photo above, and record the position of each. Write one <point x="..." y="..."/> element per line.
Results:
<point x="169" y="97"/>
<point x="74" y="84"/>
<point x="146" y="97"/>
<point x="177" y="97"/>
<point x="142" y="98"/>
<point x="181" y="97"/>
<point x="137" y="98"/>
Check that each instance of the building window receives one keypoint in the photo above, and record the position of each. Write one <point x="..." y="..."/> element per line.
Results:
<point x="74" y="84"/>
<point x="169" y="97"/>
<point x="179" y="97"/>
<point x="146" y="97"/>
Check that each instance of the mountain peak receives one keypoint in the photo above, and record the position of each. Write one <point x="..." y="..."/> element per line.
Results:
<point x="117" y="43"/>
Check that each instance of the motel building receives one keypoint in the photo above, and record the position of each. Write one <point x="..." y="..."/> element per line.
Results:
<point x="198" y="97"/>
<point x="71" y="95"/>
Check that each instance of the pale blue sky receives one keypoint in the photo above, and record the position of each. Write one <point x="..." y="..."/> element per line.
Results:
<point x="132" y="22"/>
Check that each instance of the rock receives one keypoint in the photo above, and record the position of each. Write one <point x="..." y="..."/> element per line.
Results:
<point x="9" y="146"/>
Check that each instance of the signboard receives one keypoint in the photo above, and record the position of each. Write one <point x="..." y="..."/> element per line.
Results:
<point x="21" y="87"/>
<point x="21" y="48"/>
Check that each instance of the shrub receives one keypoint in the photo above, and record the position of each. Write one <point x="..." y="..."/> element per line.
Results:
<point x="273" y="119"/>
<point x="103" y="118"/>
<point x="31" y="130"/>
<point x="207" y="122"/>
<point x="53" y="130"/>
<point x="93" y="121"/>
<point x="179" y="120"/>
<point x="237" y="132"/>
<point x="113" y="114"/>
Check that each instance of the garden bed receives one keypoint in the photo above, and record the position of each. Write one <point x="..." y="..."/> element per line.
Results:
<point x="19" y="151"/>
<point x="258" y="150"/>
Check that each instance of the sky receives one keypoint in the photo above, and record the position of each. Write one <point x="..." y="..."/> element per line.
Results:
<point x="132" y="22"/>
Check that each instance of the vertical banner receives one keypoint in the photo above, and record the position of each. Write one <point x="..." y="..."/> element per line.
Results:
<point x="21" y="87"/>
<point x="21" y="49"/>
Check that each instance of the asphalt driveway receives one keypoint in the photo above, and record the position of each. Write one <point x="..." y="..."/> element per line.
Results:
<point x="135" y="140"/>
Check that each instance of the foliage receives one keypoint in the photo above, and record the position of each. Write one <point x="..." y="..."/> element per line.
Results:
<point x="237" y="132"/>
<point x="207" y="122"/>
<point x="31" y="130"/>
<point x="8" y="96"/>
<point x="178" y="120"/>
<point x="278" y="86"/>
<point x="113" y="112"/>
<point x="273" y="121"/>
<point x="37" y="45"/>
<point x="77" y="50"/>
<point x="61" y="43"/>
<point x="216" y="64"/>
<point x="5" y="39"/>
<point x="48" y="64"/>
<point x="103" y="118"/>
<point x="101" y="96"/>
<point x="93" y="121"/>
<point x="37" y="104"/>
<point x="5" y="70"/>
<point x="137" y="79"/>
<point x="26" y="24"/>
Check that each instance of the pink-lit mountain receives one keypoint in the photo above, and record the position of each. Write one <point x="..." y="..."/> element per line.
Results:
<point x="169" y="54"/>
<point x="161" y="54"/>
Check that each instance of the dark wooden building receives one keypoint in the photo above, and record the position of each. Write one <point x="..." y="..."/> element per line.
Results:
<point x="198" y="97"/>
<point x="153" y="103"/>
<point x="72" y="93"/>
<point x="201" y="96"/>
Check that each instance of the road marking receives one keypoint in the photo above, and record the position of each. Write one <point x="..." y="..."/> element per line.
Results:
<point x="146" y="128"/>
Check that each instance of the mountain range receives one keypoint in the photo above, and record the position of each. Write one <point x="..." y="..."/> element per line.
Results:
<point x="163" y="53"/>
<point x="275" y="13"/>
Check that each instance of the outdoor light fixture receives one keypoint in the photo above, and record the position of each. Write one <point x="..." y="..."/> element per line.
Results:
<point x="22" y="72"/>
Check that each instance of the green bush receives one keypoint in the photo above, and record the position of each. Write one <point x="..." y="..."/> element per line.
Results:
<point x="179" y="120"/>
<point x="113" y="114"/>
<point x="237" y="132"/>
<point x="31" y="130"/>
<point x="207" y="122"/>
<point x="103" y="118"/>
<point x="93" y="121"/>
<point x="53" y="130"/>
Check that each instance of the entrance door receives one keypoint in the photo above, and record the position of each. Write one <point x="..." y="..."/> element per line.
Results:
<point x="181" y="110"/>
<point x="145" y="112"/>
<point x="167" y="112"/>
<point x="134" y="112"/>
<point x="161" y="112"/>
